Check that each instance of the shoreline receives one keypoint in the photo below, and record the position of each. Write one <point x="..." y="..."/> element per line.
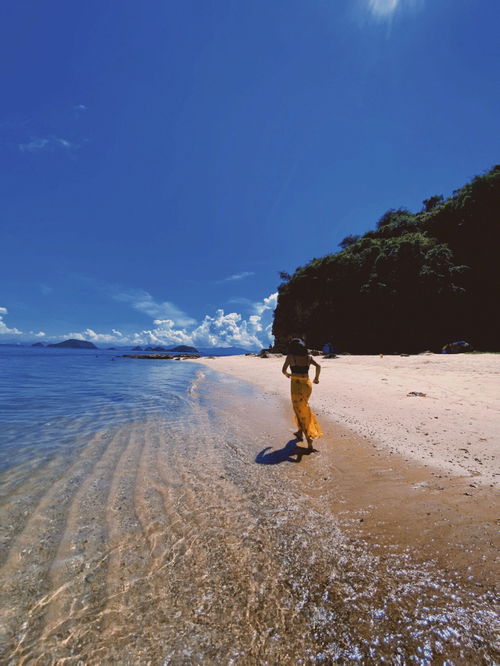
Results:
<point x="378" y="494"/>
<point x="442" y="411"/>
<point x="188" y="530"/>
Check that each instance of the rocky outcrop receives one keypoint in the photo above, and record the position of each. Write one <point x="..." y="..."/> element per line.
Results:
<point x="183" y="348"/>
<point x="168" y="357"/>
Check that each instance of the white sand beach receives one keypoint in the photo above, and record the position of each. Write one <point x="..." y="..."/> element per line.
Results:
<point x="437" y="410"/>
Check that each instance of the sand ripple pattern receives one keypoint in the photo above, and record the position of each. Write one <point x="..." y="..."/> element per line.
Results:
<point x="162" y="542"/>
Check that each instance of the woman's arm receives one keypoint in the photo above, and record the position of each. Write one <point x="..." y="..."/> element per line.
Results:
<point x="318" y="369"/>
<point x="285" y="366"/>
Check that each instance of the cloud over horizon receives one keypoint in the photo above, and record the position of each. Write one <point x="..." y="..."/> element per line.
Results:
<point x="220" y="330"/>
<point x="4" y="329"/>
<point x="171" y="325"/>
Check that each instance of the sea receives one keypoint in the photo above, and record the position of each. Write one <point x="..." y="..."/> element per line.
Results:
<point x="145" y="521"/>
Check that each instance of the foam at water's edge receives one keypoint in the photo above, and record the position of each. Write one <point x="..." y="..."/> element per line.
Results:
<point x="196" y="382"/>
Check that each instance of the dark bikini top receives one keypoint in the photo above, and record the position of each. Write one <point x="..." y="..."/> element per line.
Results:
<point x="300" y="369"/>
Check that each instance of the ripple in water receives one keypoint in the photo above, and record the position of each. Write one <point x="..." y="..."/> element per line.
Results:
<point x="159" y="540"/>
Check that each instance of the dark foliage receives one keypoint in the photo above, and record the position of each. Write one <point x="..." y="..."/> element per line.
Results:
<point x="347" y="241"/>
<point x="416" y="282"/>
<point x="432" y="202"/>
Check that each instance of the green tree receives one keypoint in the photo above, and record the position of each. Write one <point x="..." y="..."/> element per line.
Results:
<point x="415" y="282"/>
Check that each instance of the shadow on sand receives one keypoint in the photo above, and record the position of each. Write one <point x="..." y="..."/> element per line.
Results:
<point x="291" y="452"/>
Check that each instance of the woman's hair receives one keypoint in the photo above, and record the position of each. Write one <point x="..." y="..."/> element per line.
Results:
<point x="297" y="347"/>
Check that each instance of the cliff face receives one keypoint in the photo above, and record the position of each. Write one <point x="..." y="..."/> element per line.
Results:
<point x="416" y="282"/>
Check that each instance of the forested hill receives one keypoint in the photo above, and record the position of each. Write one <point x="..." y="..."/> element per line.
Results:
<point x="416" y="282"/>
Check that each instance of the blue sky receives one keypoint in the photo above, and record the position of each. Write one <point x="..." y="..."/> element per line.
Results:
<point x="162" y="161"/>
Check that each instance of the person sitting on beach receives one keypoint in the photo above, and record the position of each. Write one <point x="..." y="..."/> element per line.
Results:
<point x="299" y="360"/>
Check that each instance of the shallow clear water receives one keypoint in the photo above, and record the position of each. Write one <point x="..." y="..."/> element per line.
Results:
<point x="139" y="527"/>
<point x="51" y="398"/>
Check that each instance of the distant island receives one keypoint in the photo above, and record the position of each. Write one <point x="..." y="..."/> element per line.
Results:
<point x="74" y="344"/>
<point x="180" y="348"/>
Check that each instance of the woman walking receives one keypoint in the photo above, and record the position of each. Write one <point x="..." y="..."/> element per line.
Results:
<point x="299" y="360"/>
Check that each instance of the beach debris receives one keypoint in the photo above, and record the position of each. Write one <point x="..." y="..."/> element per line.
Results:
<point x="416" y="394"/>
<point x="457" y="347"/>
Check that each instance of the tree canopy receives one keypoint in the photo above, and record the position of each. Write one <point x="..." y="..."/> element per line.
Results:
<point x="416" y="282"/>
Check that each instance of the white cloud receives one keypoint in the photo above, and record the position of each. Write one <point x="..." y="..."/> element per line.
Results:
<point x="241" y="300"/>
<point x="231" y="329"/>
<point x="34" y="145"/>
<point x="268" y="303"/>
<point x="141" y="300"/>
<point x="64" y="143"/>
<point x="383" y="7"/>
<point x="226" y="330"/>
<point x="220" y="330"/>
<point x="80" y="107"/>
<point x="237" y="276"/>
<point x="92" y="336"/>
<point x="4" y="329"/>
<point x="386" y="9"/>
<point x="40" y="334"/>
<point x="46" y="143"/>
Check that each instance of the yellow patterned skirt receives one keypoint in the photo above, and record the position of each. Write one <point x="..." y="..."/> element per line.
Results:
<point x="304" y="416"/>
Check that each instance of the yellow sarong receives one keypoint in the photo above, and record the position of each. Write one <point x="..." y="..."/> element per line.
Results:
<point x="304" y="416"/>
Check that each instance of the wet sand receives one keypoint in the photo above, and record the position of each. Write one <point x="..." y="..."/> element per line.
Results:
<point x="434" y="409"/>
<point x="385" y="462"/>
<point x="166" y="542"/>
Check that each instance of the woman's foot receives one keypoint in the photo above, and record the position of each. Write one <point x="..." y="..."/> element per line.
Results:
<point x="310" y="443"/>
<point x="299" y="435"/>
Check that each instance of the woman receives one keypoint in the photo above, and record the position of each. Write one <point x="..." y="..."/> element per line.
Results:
<point x="299" y="361"/>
